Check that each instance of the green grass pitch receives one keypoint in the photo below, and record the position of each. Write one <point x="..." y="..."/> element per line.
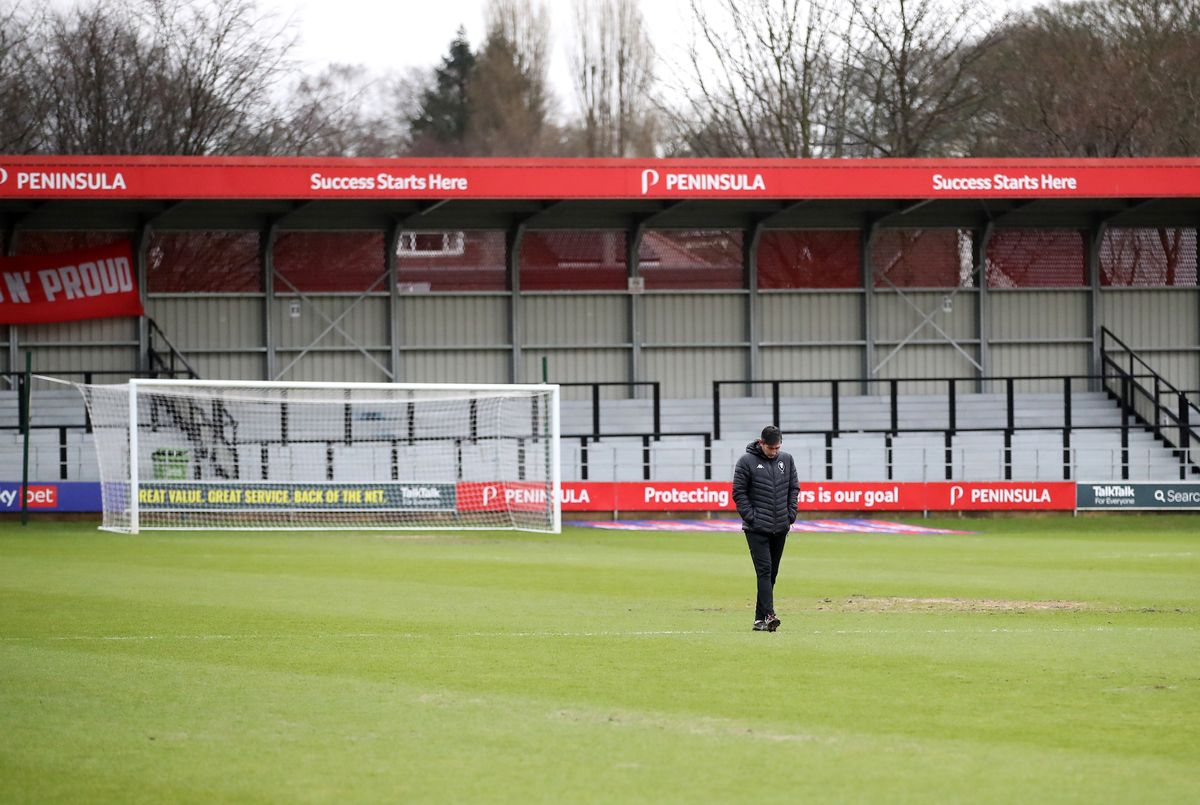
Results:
<point x="1040" y="660"/>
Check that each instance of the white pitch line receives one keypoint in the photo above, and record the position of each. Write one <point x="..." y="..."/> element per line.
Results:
<point x="663" y="633"/>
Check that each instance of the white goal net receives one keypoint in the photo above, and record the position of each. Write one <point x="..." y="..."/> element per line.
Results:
<point x="191" y="454"/>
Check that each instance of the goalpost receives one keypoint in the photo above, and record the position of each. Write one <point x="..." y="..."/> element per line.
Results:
<point x="196" y="454"/>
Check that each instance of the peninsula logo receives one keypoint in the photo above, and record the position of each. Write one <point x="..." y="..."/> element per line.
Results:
<point x="732" y="182"/>
<point x="985" y="495"/>
<point x="3" y="176"/>
<point x="67" y="180"/>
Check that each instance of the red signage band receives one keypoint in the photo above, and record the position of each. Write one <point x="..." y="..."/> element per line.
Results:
<point x="813" y="496"/>
<point x="1001" y="496"/>
<point x="88" y="284"/>
<point x="348" y="178"/>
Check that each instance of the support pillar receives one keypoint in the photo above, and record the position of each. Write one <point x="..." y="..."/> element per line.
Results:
<point x="512" y="261"/>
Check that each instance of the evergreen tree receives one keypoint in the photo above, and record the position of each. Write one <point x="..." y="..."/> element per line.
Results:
<point x="440" y="124"/>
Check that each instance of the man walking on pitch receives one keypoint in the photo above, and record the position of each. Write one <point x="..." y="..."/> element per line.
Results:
<point x="765" y="489"/>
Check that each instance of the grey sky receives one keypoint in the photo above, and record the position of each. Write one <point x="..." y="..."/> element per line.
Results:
<point x="412" y="33"/>
<point x="416" y="33"/>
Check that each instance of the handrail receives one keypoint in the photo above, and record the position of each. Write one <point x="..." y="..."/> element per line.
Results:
<point x="158" y="366"/>
<point x="656" y="392"/>
<point x="1184" y="413"/>
<point x="893" y="384"/>
<point x="585" y="438"/>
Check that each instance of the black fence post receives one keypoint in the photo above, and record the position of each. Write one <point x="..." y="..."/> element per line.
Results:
<point x="952" y="404"/>
<point x="835" y="410"/>
<point x="828" y="456"/>
<point x="1011" y="404"/>
<point x="645" y="458"/>
<point x="1185" y="436"/>
<point x="583" y="458"/>
<point x="596" y="410"/>
<point x="62" y="452"/>
<point x="893" y="391"/>
<point x="949" y="456"/>
<point x="1157" y="407"/>
<point x="716" y="409"/>
<point x="1126" y="410"/>
<point x="707" y="457"/>
<point x="887" y="450"/>
<point x="657" y="411"/>
<point x="1008" y="434"/>
<point x="775" y="404"/>
<point x="1066" y="434"/>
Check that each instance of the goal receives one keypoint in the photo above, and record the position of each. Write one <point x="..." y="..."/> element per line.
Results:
<point x="193" y="454"/>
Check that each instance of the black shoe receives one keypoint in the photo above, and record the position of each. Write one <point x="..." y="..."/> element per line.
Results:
<point x="772" y="622"/>
<point x="760" y="626"/>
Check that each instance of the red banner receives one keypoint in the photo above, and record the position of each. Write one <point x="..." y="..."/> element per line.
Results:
<point x="313" y="178"/>
<point x="828" y="496"/>
<point x="89" y="284"/>
<point x="815" y="496"/>
<point x="1001" y="496"/>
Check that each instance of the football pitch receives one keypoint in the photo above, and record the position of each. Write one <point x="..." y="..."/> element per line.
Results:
<point x="1038" y="660"/>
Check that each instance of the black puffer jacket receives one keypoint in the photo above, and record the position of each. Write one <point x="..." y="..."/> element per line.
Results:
<point x="765" y="490"/>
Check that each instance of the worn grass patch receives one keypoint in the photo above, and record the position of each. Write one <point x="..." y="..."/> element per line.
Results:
<point x="862" y="603"/>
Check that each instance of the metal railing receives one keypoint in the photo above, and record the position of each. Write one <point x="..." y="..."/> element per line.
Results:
<point x="833" y="423"/>
<point x="1156" y="403"/>
<point x="655" y="402"/>
<point x="588" y="442"/>
<point x="170" y="363"/>
<point x="836" y="396"/>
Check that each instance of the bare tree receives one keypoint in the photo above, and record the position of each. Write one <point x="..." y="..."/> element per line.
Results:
<point x="509" y="92"/>
<point x="158" y="76"/>
<point x="1105" y="78"/>
<point x="21" y="99"/>
<point x="613" y="68"/>
<point x="223" y="58"/>
<point x="758" y="74"/>
<point x="914" y="76"/>
<point x="100" y="77"/>
<point x="343" y="110"/>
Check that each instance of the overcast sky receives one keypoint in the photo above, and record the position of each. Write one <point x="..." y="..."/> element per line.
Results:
<point x="416" y="33"/>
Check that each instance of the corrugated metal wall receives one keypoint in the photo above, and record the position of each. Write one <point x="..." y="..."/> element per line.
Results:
<point x="1024" y="315"/>
<point x="794" y="363"/>
<point x="456" y="366"/>
<point x="1040" y="359"/>
<point x="583" y="319"/>
<point x="358" y="321"/>
<point x="923" y="361"/>
<point x="686" y="338"/>
<point x="579" y="366"/>
<point x="822" y="316"/>
<point x="429" y="320"/>
<point x="1162" y="326"/>
<point x="221" y="335"/>
<point x="896" y="317"/>
<point x="690" y="372"/>
<point x="105" y="347"/>
<point x="694" y="319"/>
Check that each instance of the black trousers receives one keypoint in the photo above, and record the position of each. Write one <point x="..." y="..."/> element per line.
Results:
<point x="766" y="551"/>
